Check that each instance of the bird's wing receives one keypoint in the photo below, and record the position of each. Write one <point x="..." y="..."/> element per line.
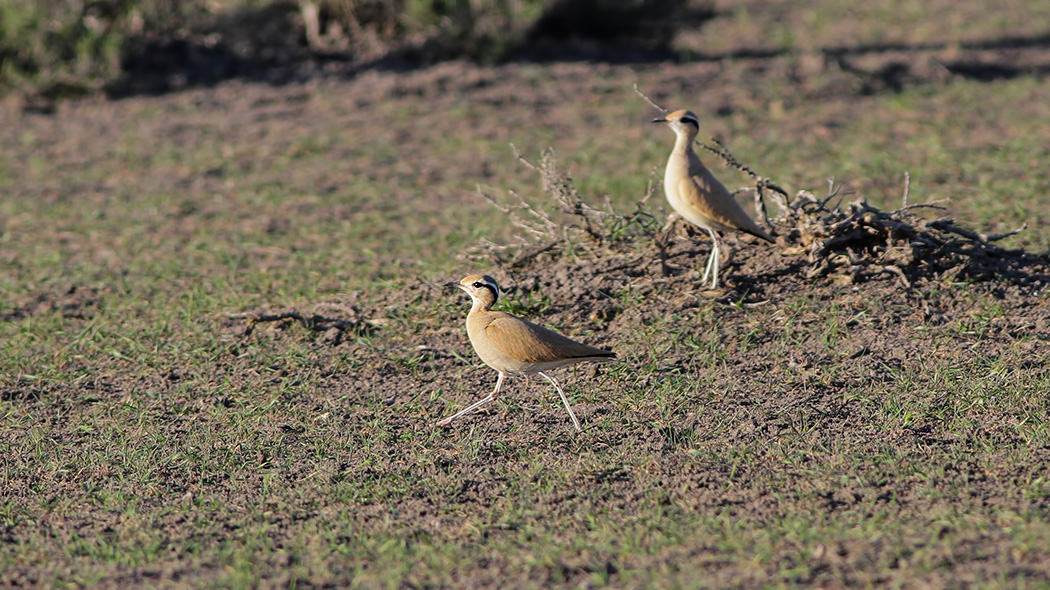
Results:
<point x="708" y="195"/>
<point x="531" y="343"/>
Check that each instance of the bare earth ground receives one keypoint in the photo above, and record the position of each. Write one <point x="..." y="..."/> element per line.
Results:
<point x="846" y="429"/>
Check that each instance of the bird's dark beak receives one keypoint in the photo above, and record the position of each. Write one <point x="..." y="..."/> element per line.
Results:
<point x="451" y="284"/>
<point x="659" y="120"/>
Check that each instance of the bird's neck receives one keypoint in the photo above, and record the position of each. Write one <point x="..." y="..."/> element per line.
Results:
<point x="683" y="143"/>
<point x="479" y="306"/>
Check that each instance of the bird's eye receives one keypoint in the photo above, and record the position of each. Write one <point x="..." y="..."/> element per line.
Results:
<point x="479" y="285"/>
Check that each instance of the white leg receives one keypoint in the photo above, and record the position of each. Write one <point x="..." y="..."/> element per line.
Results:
<point x="712" y="259"/>
<point x="475" y="405"/>
<point x="709" y="264"/>
<point x="564" y="400"/>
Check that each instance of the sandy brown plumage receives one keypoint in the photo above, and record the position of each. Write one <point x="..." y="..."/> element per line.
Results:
<point x="710" y="198"/>
<point x="529" y="344"/>
<point x="695" y="194"/>
<point x="512" y="345"/>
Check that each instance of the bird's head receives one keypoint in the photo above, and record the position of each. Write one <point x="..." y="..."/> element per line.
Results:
<point x="481" y="288"/>
<point x="682" y="121"/>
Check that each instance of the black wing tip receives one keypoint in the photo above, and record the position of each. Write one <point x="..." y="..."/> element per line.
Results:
<point x="764" y="236"/>
<point x="596" y="355"/>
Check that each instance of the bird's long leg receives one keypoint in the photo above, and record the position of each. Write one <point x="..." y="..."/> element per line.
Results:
<point x="707" y="266"/>
<point x="564" y="400"/>
<point x="477" y="404"/>
<point x="712" y="260"/>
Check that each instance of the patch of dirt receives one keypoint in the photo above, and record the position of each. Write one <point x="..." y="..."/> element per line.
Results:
<point x="76" y="302"/>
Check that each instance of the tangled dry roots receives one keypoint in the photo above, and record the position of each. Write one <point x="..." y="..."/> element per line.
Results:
<point x="862" y="241"/>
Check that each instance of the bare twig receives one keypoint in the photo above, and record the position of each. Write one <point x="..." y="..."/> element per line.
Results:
<point x="894" y="269"/>
<point x="602" y="226"/>
<point x="649" y="100"/>
<point x="833" y="191"/>
<point x="931" y="205"/>
<point x="650" y="189"/>
<point x="522" y="159"/>
<point x="1004" y="235"/>
<point x="948" y="226"/>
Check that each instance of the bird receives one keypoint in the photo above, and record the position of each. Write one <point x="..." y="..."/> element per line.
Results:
<point x="514" y="346"/>
<point x="695" y="193"/>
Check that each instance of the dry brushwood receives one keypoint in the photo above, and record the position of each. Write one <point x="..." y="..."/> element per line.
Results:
<point x="585" y="229"/>
<point x="864" y="241"/>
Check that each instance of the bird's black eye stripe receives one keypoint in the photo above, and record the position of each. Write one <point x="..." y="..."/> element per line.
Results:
<point x="487" y="285"/>
<point x="691" y="120"/>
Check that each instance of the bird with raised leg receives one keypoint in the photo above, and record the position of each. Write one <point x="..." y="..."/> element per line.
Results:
<point x="513" y="346"/>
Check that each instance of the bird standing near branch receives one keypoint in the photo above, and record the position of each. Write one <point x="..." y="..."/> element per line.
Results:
<point x="699" y="197"/>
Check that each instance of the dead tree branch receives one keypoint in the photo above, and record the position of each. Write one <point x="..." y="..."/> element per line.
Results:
<point x="649" y="100"/>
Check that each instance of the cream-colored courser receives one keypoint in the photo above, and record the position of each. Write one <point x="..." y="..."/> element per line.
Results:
<point x="514" y="346"/>
<point x="697" y="195"/>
